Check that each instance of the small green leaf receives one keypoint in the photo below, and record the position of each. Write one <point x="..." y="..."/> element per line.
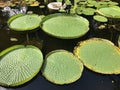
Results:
<point x="92" y="3"/>
<point x="78" y="11"/>
<point x="81" y="3"/>
<point x="100" y="18"/>
<point x="101" y="6"/>
<point x="88" y="11"/>
<point x="101" y="27"/>
<point x="68" y="2"/>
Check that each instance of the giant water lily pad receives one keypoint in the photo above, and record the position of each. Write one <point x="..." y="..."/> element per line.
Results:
<point x="23" y="22"/>
<point x="65" y="26"/>
<point x="19" y="64"/>
<point x="112" y="12"/>
<point x="99" y="55"/>
<point x="62" y="67"/>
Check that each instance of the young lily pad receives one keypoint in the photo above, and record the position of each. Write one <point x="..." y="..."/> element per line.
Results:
<point x="100" y="18"/>
<point x="62" y="67"/>
<point x="19" y="64"/>
<point x="92" y="2"/>
<point x="88" y="11"/>
<point x="99" y="55"/>
<point x="112" y="12"/>
<point x="24" y="22"/>
<point x="65" y="26"/>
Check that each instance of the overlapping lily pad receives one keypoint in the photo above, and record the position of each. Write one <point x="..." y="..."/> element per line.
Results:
<point x="24" y="22"/>
<point x="85" y="11"/>
<point x="65" y="26"/>
<point x="99" y="55"/>
<point x="111" y="12"/>
<point x="62" y="67"/>
<point x="19" y="64"/>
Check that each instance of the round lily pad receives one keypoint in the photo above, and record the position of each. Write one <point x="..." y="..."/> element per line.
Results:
<point x="88" y="11"/>
<point x="24" y="22"/>
<point x="19" y="64"/>
<point x="62" y="67"/>
<point x="112" y="12"/>
<point x="100" y="18"/>
<point x="65" y="26"/>
<point x="99" y="55"/>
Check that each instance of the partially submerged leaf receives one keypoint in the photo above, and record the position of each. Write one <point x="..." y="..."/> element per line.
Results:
<point x="99" y="55"/>
<point x="65" y="26"/>
<point x="62" y="67"/>
<point x="19" y="64"/>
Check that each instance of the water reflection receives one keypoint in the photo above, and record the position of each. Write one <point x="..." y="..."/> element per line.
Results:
<point x="11" y="12"/>
<point x="2" y="88"/>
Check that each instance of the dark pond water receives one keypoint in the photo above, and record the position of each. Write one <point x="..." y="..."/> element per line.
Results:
<point x="89" y="80"/>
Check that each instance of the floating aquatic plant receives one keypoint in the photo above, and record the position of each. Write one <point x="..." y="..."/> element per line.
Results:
<point x="110" y="12"/>
<point x="88" y="7"/>
<point x="19" y="64"/>
<point x="73" y="26"/>
<point x="92" y="7"/>
<point x="100" y="18"/>
<point x="99" y="55"/>
<point x="24" y="22"/>
<point x="62" y="67"/>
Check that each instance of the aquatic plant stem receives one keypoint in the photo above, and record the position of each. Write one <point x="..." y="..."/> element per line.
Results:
<point x="27" y="37"/>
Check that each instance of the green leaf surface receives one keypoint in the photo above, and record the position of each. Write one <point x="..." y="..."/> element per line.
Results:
<point x="14" y="17"/>
<point x="99" y="55"/>
<point x="92" y="3"/>
<point x="88" y="11"/>
<point x="100" y="18"/>
<point x="112" y="12"/>
<point x="113" y="3"/>
<point x="10" y="49"/>
<point x="65" y="26"/>
<point x="62" y="67"/>
<point x="24" y="22"/>
<point x="19" y="64"/>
